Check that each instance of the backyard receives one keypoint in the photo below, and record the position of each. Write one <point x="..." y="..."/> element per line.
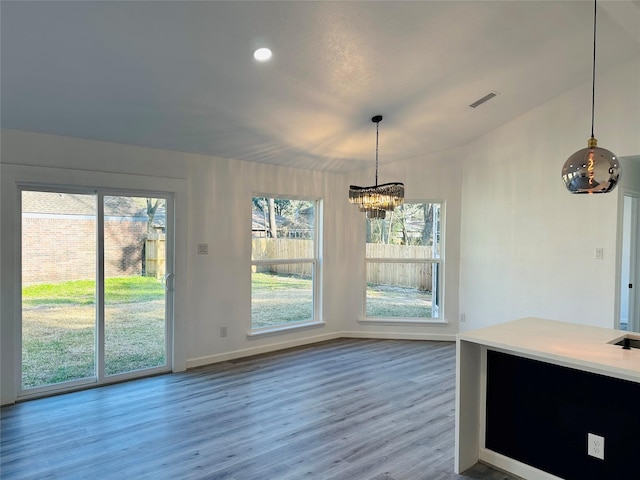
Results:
<point x="58" y="321"/>
<point x="58" y="329"/>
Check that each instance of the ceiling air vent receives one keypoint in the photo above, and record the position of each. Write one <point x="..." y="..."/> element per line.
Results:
<point x="486" y="98"/>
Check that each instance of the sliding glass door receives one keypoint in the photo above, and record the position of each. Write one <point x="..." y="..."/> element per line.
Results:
<point x="96" y="287"/>
<point x="58" y="288"/>
<point x="135" y="330"/>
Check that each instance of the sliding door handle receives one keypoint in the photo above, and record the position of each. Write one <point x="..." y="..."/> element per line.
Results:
<point x="167" y="280"/>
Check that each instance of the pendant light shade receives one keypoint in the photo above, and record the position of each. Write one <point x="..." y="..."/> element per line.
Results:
<point x="592" y="169"/>
<point x="377" y="200"/>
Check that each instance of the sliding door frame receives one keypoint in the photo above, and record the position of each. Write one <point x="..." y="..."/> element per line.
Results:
<point x="100" y="378"/>
<point x="30" y="172"/>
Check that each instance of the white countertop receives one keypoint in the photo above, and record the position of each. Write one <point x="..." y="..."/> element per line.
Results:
<point x="581" y="346"/>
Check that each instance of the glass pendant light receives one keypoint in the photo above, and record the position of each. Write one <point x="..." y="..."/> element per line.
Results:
<point x="376" y="200"/>
<point x="592" y="169"/>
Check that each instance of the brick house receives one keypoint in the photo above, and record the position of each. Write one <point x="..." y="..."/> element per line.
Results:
<point x="59" y="236"/>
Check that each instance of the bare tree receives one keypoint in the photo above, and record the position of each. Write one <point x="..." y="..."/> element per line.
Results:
<point x="152" y="206"/>
<point x="388" y="223"/>
<point x="427" y="228"/>
<point x="273" y="227"/>
<point x="403" y="226"/>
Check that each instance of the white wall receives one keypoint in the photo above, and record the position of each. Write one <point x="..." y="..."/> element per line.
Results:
<point x="213" y="203"/>
<point x="527" y="245"/>
<point x="219" y="285"/>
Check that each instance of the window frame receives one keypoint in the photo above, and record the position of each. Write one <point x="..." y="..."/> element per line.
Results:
<point x="439" y="261"/>
<point x="316" y="269"/>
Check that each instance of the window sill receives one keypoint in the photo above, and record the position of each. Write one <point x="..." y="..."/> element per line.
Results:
<point x="403" y="321"/>
<point x="284" y="329"/>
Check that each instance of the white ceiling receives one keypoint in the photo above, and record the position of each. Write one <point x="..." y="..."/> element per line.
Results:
<point x="181" y="76"/>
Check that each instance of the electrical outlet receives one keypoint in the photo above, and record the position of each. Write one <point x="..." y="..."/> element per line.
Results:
<point x="203" y="249"/>
<point x="599" y="253"/>
<point x="223" y="331"/>
<point x="595" y="446"/>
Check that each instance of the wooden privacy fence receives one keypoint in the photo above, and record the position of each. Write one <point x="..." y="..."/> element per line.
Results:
<point x="280" y="249"/>
<point x="154" y="255"/>
<point x="381" y="250"/>
<point x="402" y="274"/>
<point x="418" y="275"/>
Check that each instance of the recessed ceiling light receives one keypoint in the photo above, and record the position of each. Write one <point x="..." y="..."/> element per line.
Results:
<point x="262" y="54"/>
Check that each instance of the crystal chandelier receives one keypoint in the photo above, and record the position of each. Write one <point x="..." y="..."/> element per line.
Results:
<point x="592" y="169"/>
<point x="377" y="200"/>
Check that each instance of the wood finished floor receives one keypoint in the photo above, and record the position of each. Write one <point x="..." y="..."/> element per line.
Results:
<point x="346" y="409"/>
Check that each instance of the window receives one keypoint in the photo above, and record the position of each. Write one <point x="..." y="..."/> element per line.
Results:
<point x="404" y="263"/>
<point x="284" y="263"/>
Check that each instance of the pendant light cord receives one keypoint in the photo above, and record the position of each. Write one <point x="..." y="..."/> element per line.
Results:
<point x="593" y="68"/>
<point x="377" y="127"/>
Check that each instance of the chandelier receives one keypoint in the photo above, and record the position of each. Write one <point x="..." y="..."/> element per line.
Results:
<point x="592" y="169"/>
<point x="377" y="200"/>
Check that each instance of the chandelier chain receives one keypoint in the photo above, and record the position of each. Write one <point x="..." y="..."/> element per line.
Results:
<point x="377" y="127"/>
<point x="593" y="67"/>
<point x="376" y="200"/>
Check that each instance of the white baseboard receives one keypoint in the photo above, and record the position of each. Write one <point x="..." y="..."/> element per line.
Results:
<point x="514" y="467"/>
<point x="437" y="337"/>
<point x="272" y="347"/>
<point x="247" y="352"/>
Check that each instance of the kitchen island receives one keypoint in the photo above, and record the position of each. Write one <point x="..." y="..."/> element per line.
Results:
<point x="529" y="392"/>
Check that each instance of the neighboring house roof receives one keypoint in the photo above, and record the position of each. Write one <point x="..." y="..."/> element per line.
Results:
<point x="160" y="217"/>
<point x="260" y="223"/>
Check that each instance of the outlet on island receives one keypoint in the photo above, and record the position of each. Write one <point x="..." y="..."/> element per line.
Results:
<point x="595" y="446"/>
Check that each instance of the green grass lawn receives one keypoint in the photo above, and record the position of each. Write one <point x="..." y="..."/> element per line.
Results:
<point x="82" y="292"/>
<point x="398" y="302"/>
<point x="278" y="299"/>
<point x="58" y="329"/>
<point x="58" y="321"/>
